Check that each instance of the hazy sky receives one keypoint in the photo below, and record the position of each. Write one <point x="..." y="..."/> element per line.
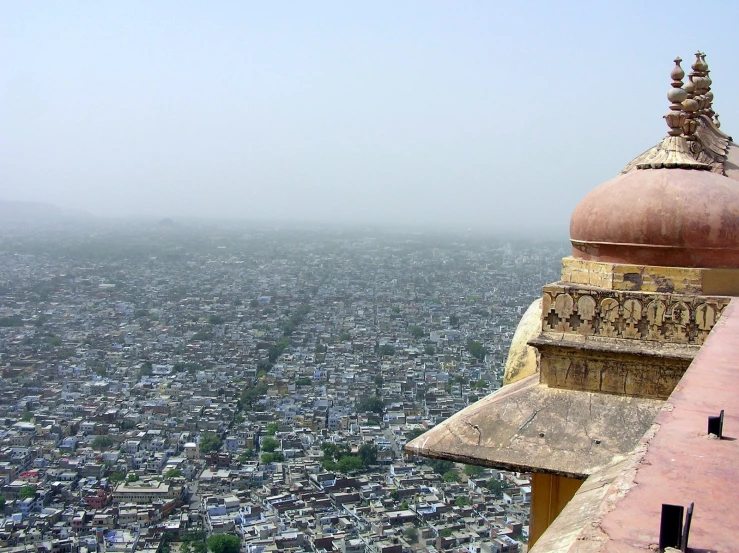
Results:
<point x="476" y="114"/>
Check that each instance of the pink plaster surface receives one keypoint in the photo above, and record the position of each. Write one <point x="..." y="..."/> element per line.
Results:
<point x="682" y="464"/>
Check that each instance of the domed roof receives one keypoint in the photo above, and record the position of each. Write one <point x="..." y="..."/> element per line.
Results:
<point x="667" y="217"/>
<point x="672" y="205"/>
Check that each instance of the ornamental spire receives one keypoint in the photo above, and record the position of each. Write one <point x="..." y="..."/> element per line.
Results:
<point x="677" y="95"/>
<point x="675" y="150"/>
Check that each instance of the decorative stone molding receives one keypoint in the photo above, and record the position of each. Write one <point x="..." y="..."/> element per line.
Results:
<point x="660" y="317"/>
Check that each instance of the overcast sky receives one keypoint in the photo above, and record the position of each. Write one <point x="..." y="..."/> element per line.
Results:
<point x="475" y="114"/>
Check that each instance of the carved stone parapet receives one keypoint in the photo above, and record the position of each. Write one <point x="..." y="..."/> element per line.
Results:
<point x="660" y="317"/>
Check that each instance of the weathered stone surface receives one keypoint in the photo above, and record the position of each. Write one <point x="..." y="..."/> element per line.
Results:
<point x="650" y="278"/>
<point x="612" y="365"/>
<point x="523" y="359"/>
<point x="528" y="426"/>
<point x="617" y="509"/>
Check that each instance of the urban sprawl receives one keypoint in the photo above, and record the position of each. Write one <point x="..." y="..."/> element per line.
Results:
<point x="175" y="388"/>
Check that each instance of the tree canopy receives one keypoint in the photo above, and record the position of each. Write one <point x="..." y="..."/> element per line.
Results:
<point x="415" y="433"/>
<point x="451" y="476"/>
<point x="476" y="350"/>
<point x="224" y="543"/>
<point x="368" y="454"/>
<point x="495" y="486"/>
<point x="275" y="457"/>
<point x="371" y="404"/>
<point x="349" y="463"/>
<point x="269" y="444"/>
<point x="209" y="441"/>
<point x="387" y="350"/>
<point x="439" y="465"/>
<point x="102" y="442"/>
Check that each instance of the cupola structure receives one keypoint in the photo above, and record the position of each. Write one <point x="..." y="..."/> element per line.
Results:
<point x="654" y="264"/>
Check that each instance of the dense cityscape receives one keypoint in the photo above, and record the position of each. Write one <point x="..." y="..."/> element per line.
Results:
<point x="169" y="385"/>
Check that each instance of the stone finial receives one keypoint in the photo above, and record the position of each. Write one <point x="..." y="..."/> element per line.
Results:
<point x="677" y="149"/>
<point x="708" y="108"/>
<point x="700" y="79"/>
<point x="677" y="95"/>
<point x="690" y="106"/>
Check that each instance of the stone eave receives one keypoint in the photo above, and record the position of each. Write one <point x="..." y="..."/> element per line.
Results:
<point x="620" y="346"/>
<point x="529" y="427"/>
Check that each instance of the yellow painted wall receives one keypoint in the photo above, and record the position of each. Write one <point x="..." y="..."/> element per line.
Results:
<point x="549" y="495"/>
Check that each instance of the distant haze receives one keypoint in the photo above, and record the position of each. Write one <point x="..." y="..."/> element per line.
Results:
<point x="487" y="115"/>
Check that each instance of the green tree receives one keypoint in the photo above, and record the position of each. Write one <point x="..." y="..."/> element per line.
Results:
<point x="215" y="320"/>
<point x="248" y="454"/>
<point x="253" y="304"/>
<point x="473" y="471"/>
<point x="27" y="416"/>
<point x="480" y="384"/>
<point x="451" y="476"/>
<point x="439" y="465"/>
<point x="272" y="428"/>
<point x="461" y="501"/>
<point x="102" y="442"/>
<point x="329" y="465"/>
<point x="146" y="369"/>
<point x="269" y="444"/>
<point x="417" y="331"/>
<point x="368" y="454"/>
<point x="209" y="441"/>
<point x="476" y="350"/>
<point x="334" y="451"/>
<point x="2" y="502"/>
<point x="371" y="404"/>
<point x="412" y="434"/>
<point x="224" y="543"/>
<point x="495" y="487"/>
<point x="446" y="533"/>
<point x="276" y="349"/>
<point x="252" y="394"/>
<point x="173" y="473"/>
<point x="202" y="336"/>
<point x="27" y="491"/>
<point x="429" y="350"/>
<point x="275" y="457"/>
<point x="386" y="350"/>
<point x="303" y="381"/>
<point x="133" y="477"/>
<point x="12" y="320"/>
<point x="411" y="534"/>
<point x="404" y="505"/>
<point x="454" y="321"/>
<point x="349" y="463"/>
<point x="117" y="476"/>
